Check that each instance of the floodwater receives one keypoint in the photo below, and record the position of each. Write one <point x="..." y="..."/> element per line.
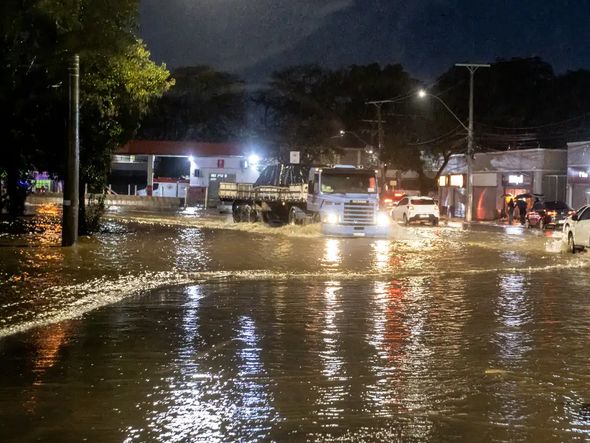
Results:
<point x="184" y="328"/>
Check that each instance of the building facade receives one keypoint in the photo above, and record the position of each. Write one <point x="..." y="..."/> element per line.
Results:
<point x="578" y="174"/>
<point x="497" y="176"/>
<point x="204" y="166"/>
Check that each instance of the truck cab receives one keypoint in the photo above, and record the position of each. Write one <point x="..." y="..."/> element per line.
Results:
<point x="346" y="201"/>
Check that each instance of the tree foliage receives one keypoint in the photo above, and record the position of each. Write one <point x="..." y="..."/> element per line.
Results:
<point x="118" y="81"/>
<point x="305" y="107"/>
<point x="204" y="104"/>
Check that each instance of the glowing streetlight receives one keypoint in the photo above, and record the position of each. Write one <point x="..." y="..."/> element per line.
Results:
<point x="472" y="67"/>
<point x="253" y="159"/>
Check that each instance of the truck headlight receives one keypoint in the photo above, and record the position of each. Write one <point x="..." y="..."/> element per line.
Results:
<point x="382" y="219"/>
<point x="331" y="218"/>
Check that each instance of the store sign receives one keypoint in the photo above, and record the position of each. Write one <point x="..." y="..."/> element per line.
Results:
<point x="578" y="175"/>
<point x="516" y="179"/>
<point x="456" y="180"/>
<point x="294" y="157"/>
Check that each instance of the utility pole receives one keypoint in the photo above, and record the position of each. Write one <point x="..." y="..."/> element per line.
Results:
<point x="71" y="187"/>
<point x="472" y="67"/>
<point x="380" y="142"/>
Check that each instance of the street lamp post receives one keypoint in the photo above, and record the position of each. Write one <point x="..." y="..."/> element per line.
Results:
<point x="472" y="67"/>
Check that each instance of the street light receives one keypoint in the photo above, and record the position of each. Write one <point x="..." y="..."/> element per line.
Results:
<point x="472" y="67"/>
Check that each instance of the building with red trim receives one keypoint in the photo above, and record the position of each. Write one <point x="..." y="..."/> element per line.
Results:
<point x="207" y="164"/>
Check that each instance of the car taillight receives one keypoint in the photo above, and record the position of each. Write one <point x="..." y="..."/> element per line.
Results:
<point x="387" y="200"/>
<point x="551" y="213"/>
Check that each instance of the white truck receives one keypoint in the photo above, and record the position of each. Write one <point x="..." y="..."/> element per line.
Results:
<point x="344" y="199"/>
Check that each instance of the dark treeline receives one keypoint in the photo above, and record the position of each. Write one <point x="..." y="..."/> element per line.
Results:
<point x="519" y="103"/>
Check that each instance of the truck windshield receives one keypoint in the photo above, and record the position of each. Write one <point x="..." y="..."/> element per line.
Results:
<point x="348" y="183"/>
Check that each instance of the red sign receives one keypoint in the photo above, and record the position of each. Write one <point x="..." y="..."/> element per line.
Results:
<point x="220" y="163"/>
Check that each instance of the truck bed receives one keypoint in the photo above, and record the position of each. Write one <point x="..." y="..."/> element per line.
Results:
<point x="249" y="192"/>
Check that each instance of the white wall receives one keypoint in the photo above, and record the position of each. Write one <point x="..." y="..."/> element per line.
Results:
<point x="578" y="154"/>
<point x="232" y="165"/>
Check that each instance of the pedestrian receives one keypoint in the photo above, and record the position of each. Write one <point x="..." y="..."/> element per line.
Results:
<point x="511" y="206"/>
<point x="521" y="203"/>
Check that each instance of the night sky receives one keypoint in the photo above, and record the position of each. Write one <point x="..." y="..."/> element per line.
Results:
<point x="254" y="37"/>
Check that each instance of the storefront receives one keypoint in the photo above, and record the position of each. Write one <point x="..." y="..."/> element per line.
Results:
<point x="578" y="174"/>
<point x="499" y="176"/>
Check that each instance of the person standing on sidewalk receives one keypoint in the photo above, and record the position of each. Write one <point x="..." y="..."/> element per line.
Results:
<point x="521" y="203"/>
<point x="510" y="206"/>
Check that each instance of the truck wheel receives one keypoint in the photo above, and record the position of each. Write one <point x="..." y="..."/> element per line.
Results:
<point x="253" y="215"/>
<point x="435" y="222"/>
<point x="292" y="217"/>
<point x="235" y="212"/>
<point x="406" y="221"/>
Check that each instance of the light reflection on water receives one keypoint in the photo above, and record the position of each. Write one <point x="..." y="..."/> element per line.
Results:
<point x="439" y="334"/>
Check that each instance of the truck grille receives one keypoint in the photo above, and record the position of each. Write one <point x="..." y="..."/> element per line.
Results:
<point x="358" y="214"/>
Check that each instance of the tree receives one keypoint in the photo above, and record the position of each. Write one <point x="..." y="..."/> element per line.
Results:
<point x="304" y="107"/>
<point x="204" y="104"/>
<point x="117" y="77"/>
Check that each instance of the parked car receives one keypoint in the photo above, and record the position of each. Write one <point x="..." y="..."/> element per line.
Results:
<point x="547" y="214"/>
<point x="412" y="209"/>
<point x="576" y="229"/>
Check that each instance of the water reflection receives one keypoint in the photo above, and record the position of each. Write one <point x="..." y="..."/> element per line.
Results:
<point x="436" y="335"/>
<point x="254" y="411"/>
<point x="332" y="361"/>
<point x="203" y="400"/>
<point x="47" y="342"/>
<point x="332" y="254"/>
<point x="190" y="253"/>
<point x="513" y="313"/>
<point x="382" y="254"/>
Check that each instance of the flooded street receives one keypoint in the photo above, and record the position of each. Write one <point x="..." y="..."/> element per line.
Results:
<point x="183" y="328"/>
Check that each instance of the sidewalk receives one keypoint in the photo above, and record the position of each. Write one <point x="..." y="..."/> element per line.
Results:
<point x="497" y="224"/>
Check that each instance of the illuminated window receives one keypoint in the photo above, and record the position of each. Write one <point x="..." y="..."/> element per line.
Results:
<point x="457" y="180"/>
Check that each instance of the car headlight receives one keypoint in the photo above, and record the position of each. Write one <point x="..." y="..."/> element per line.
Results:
<point x="382" y="219"/>
<point x="331" y="218"/>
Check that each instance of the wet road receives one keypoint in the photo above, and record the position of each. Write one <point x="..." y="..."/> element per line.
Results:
<point x="190" y="331"/>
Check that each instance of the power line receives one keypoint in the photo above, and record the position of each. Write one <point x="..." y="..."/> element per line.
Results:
<point x="439" y="138"/>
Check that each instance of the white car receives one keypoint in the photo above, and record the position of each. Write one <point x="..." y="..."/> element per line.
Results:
<point x="412" y="209"/>
<point x="576" y="229"/>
